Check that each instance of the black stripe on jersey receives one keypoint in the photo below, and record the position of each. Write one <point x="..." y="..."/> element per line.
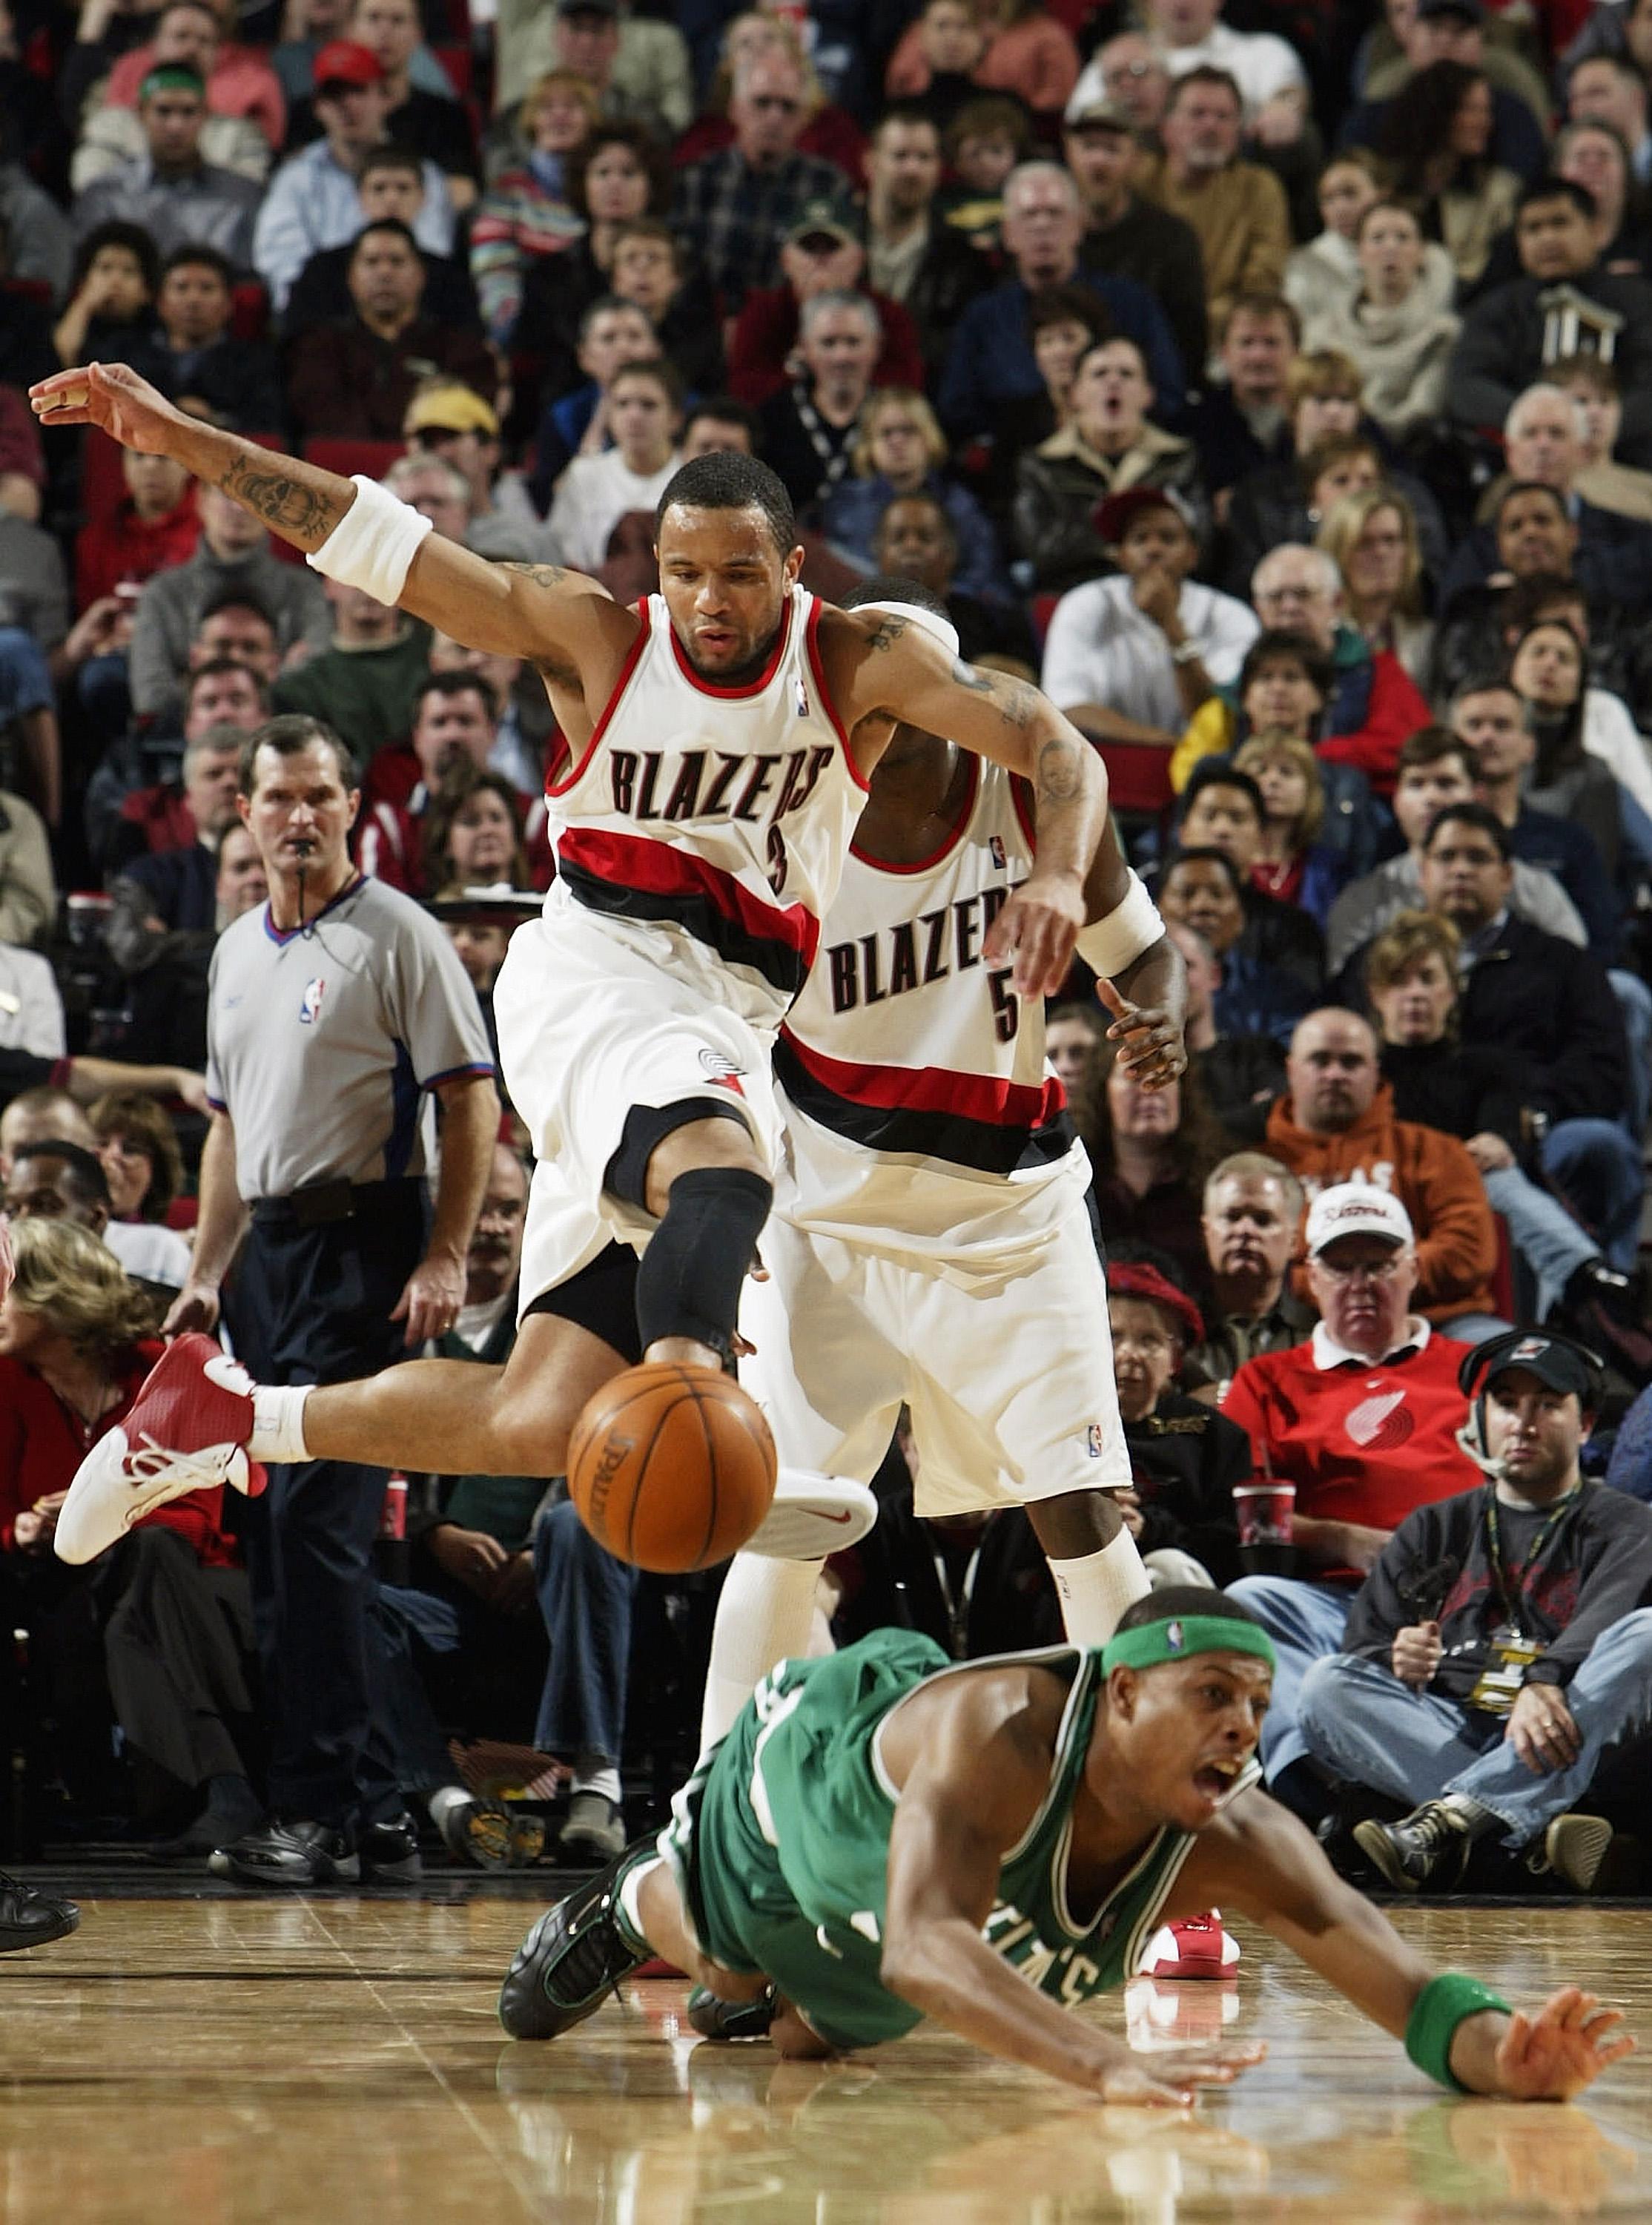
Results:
<point x="952" y="1136"/>
<point x="785" y="968"/>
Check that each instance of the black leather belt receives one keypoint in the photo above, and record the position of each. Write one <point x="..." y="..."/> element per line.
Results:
<point x="319" y="1205"/>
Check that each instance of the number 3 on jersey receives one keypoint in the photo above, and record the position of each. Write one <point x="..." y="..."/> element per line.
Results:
<point x="778" y="860"/>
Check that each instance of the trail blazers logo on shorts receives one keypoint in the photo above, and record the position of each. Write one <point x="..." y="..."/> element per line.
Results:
<point x="309" y="1005"/>
<point x="721" y="1068"/>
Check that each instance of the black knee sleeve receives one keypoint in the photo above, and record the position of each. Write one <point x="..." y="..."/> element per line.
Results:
<point x="626" y="1175"/>
<point x="689" y="1282"/>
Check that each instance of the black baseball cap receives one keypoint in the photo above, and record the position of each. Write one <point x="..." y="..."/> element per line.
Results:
<point x="1557" y="1361"/>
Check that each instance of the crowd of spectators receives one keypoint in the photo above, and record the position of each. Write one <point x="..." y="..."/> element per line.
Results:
<point x="1276" y="392"/>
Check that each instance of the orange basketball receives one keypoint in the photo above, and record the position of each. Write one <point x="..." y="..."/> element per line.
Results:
<point x="671" y="1467"/>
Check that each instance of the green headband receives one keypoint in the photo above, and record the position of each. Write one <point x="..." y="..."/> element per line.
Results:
<point x="1150" y="1643"/>
<point x="172" y="76"/>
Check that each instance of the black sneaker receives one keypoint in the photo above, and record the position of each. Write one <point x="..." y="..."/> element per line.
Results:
<point x="572" y="1958"/>
<point x="1428" y="1847"/>
<point x="30" y="1919"/>
<point x="390" y="1851"/>
<point x="1606" y="1310"/>
<point x="289" y="1857"/>
<point x="715" y="2020"/>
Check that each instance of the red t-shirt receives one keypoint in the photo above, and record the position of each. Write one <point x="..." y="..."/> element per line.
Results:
<point x="43" y="1443"/>
<point x="1362" y="1444"/>
<point x="124" y="547"/>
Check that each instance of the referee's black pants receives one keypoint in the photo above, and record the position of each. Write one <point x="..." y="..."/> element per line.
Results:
<point x="313" y="1305"/>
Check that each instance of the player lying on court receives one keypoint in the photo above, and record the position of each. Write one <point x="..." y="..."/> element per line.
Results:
<point x="883" y="1837"/>
<point x="721" y="735"/>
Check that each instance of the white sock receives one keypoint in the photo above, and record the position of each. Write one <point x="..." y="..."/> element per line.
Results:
<point x="444" y="1797"/>
<point x="766" y="1614"/>
<point x="1095" y="1591"/>
<point x="594" y="1773"/>
<point x="278" y="1422"/>
<point x="631" y="1921"/>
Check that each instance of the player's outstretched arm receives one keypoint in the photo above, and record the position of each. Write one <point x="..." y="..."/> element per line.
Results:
<point x="964" y="1804"/>
<point x="534" y="612"/>
<point x="1270" y="1869"/>
<point x="881" y="667"/>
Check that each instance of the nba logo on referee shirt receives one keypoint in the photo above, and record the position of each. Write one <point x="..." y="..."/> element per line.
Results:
<point x="309" y="1005"/>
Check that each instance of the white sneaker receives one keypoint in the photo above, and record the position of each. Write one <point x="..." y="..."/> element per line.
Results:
<point x="812" y="1516"/>
<point x="117" y="1484"/>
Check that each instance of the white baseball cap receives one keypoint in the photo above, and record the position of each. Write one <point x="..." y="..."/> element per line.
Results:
<point x="1356" y="1209"/>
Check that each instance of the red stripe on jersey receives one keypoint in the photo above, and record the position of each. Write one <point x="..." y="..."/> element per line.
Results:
<point x="631" y="861"/>
<point x="633" y="658"/>
<point x="811" y="641"/>
<point x="934" y="1089"/>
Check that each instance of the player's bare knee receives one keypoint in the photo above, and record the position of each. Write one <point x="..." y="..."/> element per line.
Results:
<point x="1076" y="1523"/>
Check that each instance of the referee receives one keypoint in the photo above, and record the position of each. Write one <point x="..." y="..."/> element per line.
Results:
<point x="331" y="1008"/>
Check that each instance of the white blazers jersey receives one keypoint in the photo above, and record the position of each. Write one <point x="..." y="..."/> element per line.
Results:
<point x="725" y="812"/>
<point x="917" y="1096"/>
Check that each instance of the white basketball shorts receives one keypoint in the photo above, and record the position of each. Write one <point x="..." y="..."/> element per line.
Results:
<point x="595" y="1016"/>
<point x="1010" y="1381"/>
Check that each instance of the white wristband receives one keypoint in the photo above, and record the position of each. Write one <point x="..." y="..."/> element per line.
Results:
<point x="1109" y="945"/>
<point x="373" y="543"/>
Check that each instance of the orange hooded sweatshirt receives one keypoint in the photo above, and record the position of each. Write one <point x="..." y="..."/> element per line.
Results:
<point x="1432" y="1176"/>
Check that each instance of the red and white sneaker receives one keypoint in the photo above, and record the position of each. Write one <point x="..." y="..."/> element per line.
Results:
<point x="1191" y="1946"/>
<point x="811" y="1516"/>
<point x="187" y="1431"/>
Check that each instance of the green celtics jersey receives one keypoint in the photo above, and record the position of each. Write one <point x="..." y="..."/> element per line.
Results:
<point x="780" y="1844"/>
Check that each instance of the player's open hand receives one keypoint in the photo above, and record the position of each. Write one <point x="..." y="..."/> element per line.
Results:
<point x="112" y="396"/>
<point x="1150" y="1046"/>
<point x="1561" y="2050"/>
<point x="1038" y="929"/>
<point x="1173" y="2079"/>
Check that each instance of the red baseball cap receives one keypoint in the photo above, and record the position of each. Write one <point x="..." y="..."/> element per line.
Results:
<point x="343" y="62"/>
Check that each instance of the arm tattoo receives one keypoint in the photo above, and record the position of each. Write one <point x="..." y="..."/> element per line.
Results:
<point x="300" y="512"/>
<point x="1017" y="702"/>
<point x="543" y="575"/>
<point x="889" y="632"/>
<point x="1059" y="770"/>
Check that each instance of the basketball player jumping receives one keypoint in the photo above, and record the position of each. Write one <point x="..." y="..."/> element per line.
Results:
<point x="700" y="831"/>
<point x="884" y="1836"/>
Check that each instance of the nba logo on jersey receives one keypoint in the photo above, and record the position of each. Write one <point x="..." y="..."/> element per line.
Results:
<point x="998" y="858"/>
<point x="1094" y="1440"/>
<point x="309" y="1005"/>
<point x="802" y="697"/>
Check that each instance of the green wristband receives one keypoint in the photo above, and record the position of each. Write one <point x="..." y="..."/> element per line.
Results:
<point x="1441" y="2006"/>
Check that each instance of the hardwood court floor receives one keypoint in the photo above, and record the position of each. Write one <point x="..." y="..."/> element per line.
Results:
<point x="336" y="2062"/>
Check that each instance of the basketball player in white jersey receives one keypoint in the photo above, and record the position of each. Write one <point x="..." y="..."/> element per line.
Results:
<point x="932" y="1242"/>
<point x="701" y="831"/>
